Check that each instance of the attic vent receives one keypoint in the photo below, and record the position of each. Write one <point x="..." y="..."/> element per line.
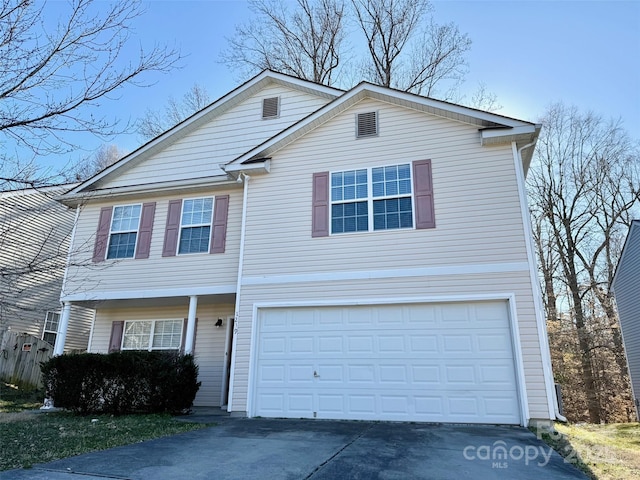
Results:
<point x="270" y="107"/>
<point x="367" y="124"/>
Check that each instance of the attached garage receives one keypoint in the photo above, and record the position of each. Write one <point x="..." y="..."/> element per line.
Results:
<point x="428" y="362"/>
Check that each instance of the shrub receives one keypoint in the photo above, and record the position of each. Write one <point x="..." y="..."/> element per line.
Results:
<point x="122" y="382"/>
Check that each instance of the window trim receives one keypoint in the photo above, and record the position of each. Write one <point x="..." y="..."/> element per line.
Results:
<point x="151" y="333"/>
<point x="210" y="225"/>
<point x="370" y="199"/>
<point x="46" y="320"/>
<point x="111" y="232"/>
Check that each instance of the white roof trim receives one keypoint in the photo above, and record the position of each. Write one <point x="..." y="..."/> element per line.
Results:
<point x="257" y="167"/>
<point x="510" y="126"/>
<point x="168" y="186"/>
<point x="501" y="133"/>
<point x="218" y="107"/>
<point x="34" y="190"/>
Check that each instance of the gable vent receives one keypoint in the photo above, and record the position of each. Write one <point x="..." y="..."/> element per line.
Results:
<point x="367" y="124"/>
<point x="270" y="107"/>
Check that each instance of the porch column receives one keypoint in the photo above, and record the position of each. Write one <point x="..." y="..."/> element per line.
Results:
<point x="61" y="337"/>
<point x="191" y="325"/>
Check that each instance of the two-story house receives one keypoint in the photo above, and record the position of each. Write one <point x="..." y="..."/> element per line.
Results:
<point x="361" y="254"/>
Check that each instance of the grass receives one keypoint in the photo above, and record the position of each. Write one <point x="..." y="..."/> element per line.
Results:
<point x="28" y="438"/>
<point x="603" y="452"/>
<point x="13" y="399"/>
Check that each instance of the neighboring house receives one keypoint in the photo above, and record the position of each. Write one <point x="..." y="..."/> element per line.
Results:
<point x="373" y="247"/>
<point x="626" y="288"/>
<point x="35" y="232"/>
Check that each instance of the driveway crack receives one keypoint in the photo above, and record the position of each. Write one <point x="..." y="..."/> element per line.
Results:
<point x="344" y="447"/>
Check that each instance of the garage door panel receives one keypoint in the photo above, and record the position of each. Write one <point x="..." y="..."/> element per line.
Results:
<point x="393" y="374"/>
<point x="328" y="345"/>
<point x="419" y="362"/>
<point x="300" y="404"/>
<point x="332" y="373"/>
<point x="273" y="345"/>
<point x="361" y="317"/>
<point x="423" y="344"/>
<point x="301" y="344"/>
<point x="272" y="374"/>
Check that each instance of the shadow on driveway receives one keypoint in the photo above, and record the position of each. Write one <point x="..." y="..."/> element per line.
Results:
<point x="241" y="448"/>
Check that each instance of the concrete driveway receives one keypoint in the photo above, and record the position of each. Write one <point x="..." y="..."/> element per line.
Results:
<point x="240" y="448"/>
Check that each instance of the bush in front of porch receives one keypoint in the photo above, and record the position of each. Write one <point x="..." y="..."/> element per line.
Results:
<point x="122" y="382"/>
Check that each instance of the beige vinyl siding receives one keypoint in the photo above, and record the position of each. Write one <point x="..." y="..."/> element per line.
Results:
<point x="155" y="272"/>
<point x="226" y="137"/>
<point x="80" y="319"/>
<point x="478" y="222"/>
<point x="209" y="346"/>
<point x="477" y="209"/>
<point x="35" y="231"/>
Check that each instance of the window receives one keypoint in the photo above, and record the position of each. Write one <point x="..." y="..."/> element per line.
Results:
<point x="51" y="323"/>
<point x="124" y="231"/>
<point x="152" y="335"/>
<point x="371" y="199"/>
<point x="195" y="225"/>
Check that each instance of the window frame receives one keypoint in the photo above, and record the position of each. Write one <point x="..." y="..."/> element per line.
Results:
<point x="46" y="322"/>
<point x="370" y="199"/>
<point x="111" y="232"/>
<point x="150" y="346"/>
<point x="210" y="225"/>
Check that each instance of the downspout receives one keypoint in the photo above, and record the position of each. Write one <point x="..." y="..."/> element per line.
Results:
<point x="245" y="179"/>
<point x="71" y="240"/>
<point x="66" y="306"/>
<point x="535" y="283"/>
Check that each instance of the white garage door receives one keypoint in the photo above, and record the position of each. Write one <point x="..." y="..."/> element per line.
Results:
<point x="448" y="362"/>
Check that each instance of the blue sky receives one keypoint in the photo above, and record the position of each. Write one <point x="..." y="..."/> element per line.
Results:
<point x="530" y="53"/>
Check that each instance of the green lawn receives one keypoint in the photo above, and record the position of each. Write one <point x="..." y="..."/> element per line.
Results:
<point x="603" y="452"/>
<point x="12" y="399"/>
<point x="27" y="438"/>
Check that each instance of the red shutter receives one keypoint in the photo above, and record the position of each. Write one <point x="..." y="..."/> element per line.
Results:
<point x="117" y="328"/>
<point x="219" y="230"/>
<point x="146" y="227"/>
<point x="102" y="234"/>
<point x="320" y="215"/>
<point x="423" y="191"/>
<point x="173" y="227"/>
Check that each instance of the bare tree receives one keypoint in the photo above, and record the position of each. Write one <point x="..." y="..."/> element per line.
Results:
<point x="408" y="50"/>
<point x="156" y="122"/>
<point x="583" y="188"/>
<point x="483" y="99"/>
<point x="87" y="167"/>
<point x="51" y="78"/>
<point x="305" y="41"/>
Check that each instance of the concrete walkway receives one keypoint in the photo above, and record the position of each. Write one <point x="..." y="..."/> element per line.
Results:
<point x="241" y="448"/>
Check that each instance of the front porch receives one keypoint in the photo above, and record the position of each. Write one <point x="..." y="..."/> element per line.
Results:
<point x="198" y="325"/>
